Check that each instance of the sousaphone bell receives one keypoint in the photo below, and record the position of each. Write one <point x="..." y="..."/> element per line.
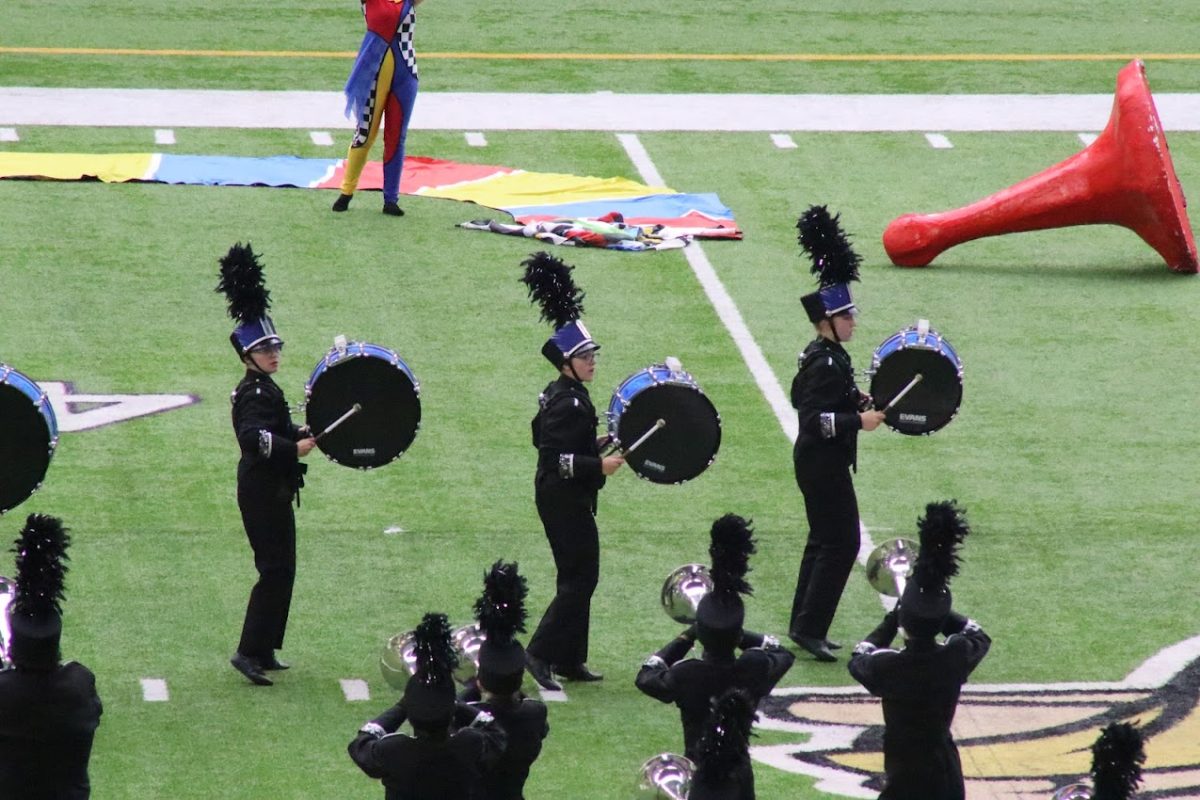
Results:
<point x="683" y="590"/>
<point x="666" y="776"/>
<point x="1075" y="791"/>
<point x="890" y="565"/>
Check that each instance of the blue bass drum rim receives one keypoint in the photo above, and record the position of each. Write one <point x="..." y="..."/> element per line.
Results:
<point x="28" y="437"/>
<point x="688" y="444"/>
<point x="390" y="395"/>
<point x="935" y="400"/>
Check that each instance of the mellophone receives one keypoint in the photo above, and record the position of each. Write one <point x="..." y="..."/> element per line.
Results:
<point x="916" y="378"/>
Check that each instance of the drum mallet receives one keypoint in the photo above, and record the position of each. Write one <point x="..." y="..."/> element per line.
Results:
<point x="354" y="409"/>
<point x="900" y="395"/>
<point x="658" y="425"/>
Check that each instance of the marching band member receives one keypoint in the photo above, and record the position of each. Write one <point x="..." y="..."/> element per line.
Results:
<point x="570" y="474"/>
<point x="831" y="411"/>
<point x="269" y="473"/>
<point x="382" y="83"/>
<point x="500" y="611"/>
<point x="692" y="684"/>
<point x="437" y="762"/>
<point x="49" y="711"/>
<point x="920" y="684"/>
<point x="723" y="768"/>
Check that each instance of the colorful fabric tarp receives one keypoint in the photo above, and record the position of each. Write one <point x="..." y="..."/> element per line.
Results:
<point x="529" y="197"/>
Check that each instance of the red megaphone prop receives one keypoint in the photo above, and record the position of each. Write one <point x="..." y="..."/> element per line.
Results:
<point x="1123" y="178"/>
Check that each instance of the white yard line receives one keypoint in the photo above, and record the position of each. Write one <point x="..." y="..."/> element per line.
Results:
<point x="599" y="111"/>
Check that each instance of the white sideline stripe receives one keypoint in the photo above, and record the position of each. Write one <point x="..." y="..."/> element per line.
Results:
<point x="939" y="141"/>
<point x="154" y="690"/>
<point x="164" y="136"/>
<point x="483" y="111"/>
<point x="321" y="138"/>
<point x="550" y="696"/>
<point x="9" y="135"/>
<point x="783" y="141"/>
<point x="355" y="689"/>
<point x="1088" y="138"/>
<point x="476" y="139"/>
<point x="726" y="309"/>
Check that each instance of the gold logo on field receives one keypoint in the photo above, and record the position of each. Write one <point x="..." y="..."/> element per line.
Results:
<point x="1016" y="741"/>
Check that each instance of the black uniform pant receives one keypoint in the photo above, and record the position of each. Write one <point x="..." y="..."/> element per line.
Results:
<point x="832" y="546"/>
<point x="562" y="636"/>
<point x="271" y="529"/>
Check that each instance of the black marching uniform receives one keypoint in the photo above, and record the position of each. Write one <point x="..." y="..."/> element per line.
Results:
<point x="920" y="686"/>
<point x="47" y="722"/>
<point x="827" y="402"/>
<point x="269" y="475"/>
<point x="423" y="767"/>
<point x="525" y="723"/>
<point x="693" y="683"/>
<point x="568" y="481"/>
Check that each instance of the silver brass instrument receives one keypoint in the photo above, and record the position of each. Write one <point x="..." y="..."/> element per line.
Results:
<point x="467" y="641"/>
<point x="682" y="591"/>
<point x="890" y="564"/>
<point x="667" y="776"/>
<point x="1075" y="791"/>
<point x="7" y="590"/>
<point x="398" y="660"/>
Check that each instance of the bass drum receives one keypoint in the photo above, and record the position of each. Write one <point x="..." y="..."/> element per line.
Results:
<point x="932" y="402"/>
<point x="28" y="437"/>
<point x="378" y="380"/>
<point x="689" y="442"/>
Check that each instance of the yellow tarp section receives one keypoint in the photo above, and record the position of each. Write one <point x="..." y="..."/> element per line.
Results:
<point x="517" y="189"/>
<point x="110" y="168"/>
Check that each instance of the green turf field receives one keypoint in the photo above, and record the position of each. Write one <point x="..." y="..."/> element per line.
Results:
<point x="1073" y="451"/>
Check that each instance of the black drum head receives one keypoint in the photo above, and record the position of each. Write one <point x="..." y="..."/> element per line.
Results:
<point x="24" y="447"/>
<point x="387" y="423"/>
<point x="929" y="405"/>
<point x="681" y="450"/>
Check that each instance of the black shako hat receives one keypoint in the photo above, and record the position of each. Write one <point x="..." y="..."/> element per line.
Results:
<point x="834" y="262"/>
<point x="242" y="282"/>
<point x="551" y="286"/>
<point x="926" y="601"/>
<point x="429" y="696"/>
<point x="500" y="611"/>
<point x="35" y="614"/>
<point x="720" y="613"/>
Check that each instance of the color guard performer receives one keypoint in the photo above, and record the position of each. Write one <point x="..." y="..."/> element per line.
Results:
<point x="570" y="474"/>
<point x="920" y="684"/>
<point x="831" y="411"/>
<point x="500" y="611"/>
<point x="692" y="684"/>
<point x="437" y="762"/>
<point x="49" y="711"/>
<point x="269" y="473"/>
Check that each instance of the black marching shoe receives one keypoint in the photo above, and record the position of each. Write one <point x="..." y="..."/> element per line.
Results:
<point x="271" y="664"/>
<point x="342" y="203"/>
<point x="251" y="669"/>
<point x="817" y="647"/>
<point x="393" y="210"/>
<point x="579" y="672"/>
<point x="541" y="673"/>
<point x="832" y="645"/>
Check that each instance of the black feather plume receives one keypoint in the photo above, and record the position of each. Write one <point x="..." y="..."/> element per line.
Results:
<point x="1117" y="758"/>
<point x="501" y="608"/>
<point x="434" y="650"/>
<point x="551" y="286"/>
<point x="942" y="530"/>
<point x="241" y="279"/>
<point x="731" y="547"/>
<point x="833" y="259"/>
<point x="41" y="566"/>
<point x="726" y="739"/>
